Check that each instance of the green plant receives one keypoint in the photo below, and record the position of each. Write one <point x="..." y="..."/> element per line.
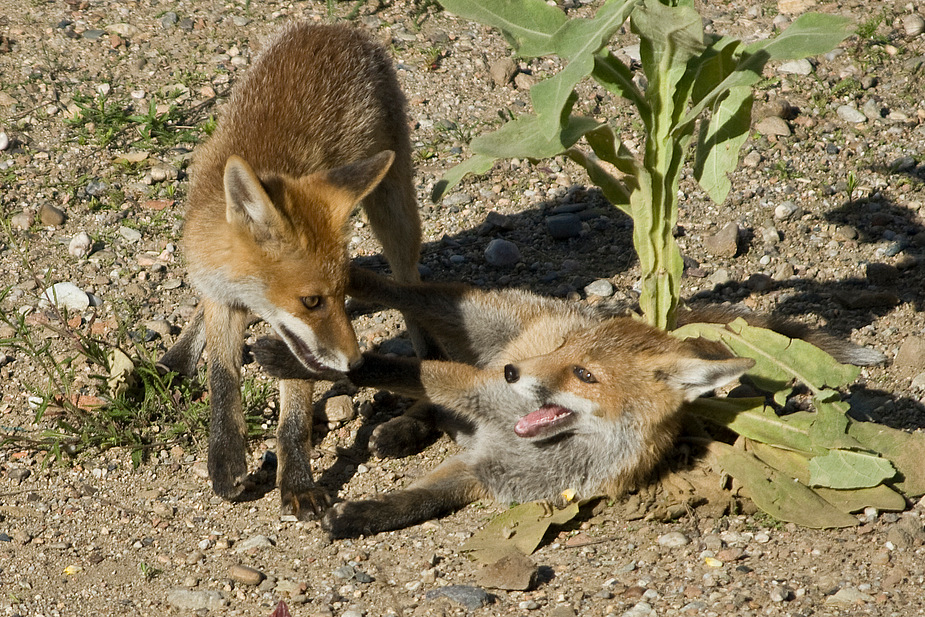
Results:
<point x="695" y="81"/>
<point x="106" y="118"/>
<point x="698" y="101"/>
<point x="851" y="184"/>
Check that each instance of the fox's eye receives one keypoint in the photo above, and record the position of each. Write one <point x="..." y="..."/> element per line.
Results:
<point x="584" y="374"/>
<point x="312" y="302"/>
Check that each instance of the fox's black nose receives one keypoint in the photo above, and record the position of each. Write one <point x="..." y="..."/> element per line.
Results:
<point x="511" y="374"/>
<point x="355" y="364"/>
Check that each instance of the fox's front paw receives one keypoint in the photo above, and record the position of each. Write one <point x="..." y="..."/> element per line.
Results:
<point x="399" y="437"/>
<point x="351" y="519"/>
<point x="305" y="504"/>
<point x="228" y="475"/>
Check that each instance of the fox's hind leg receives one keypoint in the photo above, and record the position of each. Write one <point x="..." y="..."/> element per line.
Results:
<point x="448" y="488"/>
<point x="406" y="434"/>
<point x="298" y="494"/>
<point x="227" y="431"/>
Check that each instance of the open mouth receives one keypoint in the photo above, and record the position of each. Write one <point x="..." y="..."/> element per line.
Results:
<point x="301" y="350"/>
<point x="546" y="419"/>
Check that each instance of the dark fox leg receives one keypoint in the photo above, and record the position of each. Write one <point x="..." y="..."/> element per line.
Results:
<point x="407" y="434"/>
<point x="227" y="431"/>
<point x="298" y="494"/>
<point x="447" y="489"/>
<point x="185" y="353"/>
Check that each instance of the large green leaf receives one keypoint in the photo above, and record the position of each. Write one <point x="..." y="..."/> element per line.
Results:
<point x="669" y="37"/>
<point x="617" y="78"/>
<point x="847" y="469"/>
<point x="477" y="164"/>
<point x="576" y="42"/>
<point x="528" y="25"/>
<point x="796" y="465"/>
<point x="905" y="450"/>
<point x="749" y="417"/>
<point x="719" y="141"/>
<point x="810" y="34"/>
<point x="777" y="494"/>
<point x="778" y="359"/>
<point x="522" y="138"/>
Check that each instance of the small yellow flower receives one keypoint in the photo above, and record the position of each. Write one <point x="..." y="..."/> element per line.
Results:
<point x="71" y="570"/>
<point x="568" y="495"/>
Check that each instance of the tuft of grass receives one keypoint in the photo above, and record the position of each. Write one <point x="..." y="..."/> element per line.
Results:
<point x="98" y="392"/>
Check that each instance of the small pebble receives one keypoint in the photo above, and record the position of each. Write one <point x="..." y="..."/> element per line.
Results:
<point x="913" y="25"/>
<point x="80" y="245"/>
<point x="785" y="210"/>
<point x="246" y="575"/>
<point x="339" y="408"/>
<point x="673" y="539"/>
<point x="502" y="71"/>
<point x="502" y="253"/>
<point x="4" y="141"/>
<point x="850" y="114"/>
<point x="68" y="296"/>
<point x="796" y="67"/>
<point x="772" y="125"/>
<point x="22" y="220"/>
<point x="564" y="226"/>
<point x="50" y="216"/>
<point x="725" y="242"/>
<point x="601" y="287"/>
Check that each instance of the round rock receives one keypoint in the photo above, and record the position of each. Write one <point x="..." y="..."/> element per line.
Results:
<point x="51" y="216"/>
<point x="502" y="253"/>
<point x="564" y="226"/>
<point x="80" y="245"/>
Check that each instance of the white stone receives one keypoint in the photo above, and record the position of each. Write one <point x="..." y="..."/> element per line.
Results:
<point x="851" y="114"/>
<point x="797" y="67"/>
<point x="67" y="296"/>
<point x="80" y="245"/>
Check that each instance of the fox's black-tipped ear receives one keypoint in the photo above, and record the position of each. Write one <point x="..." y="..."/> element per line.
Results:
<point x="246" y="201"/>
<point x="696" y="376"/>
<point x="348" y="184"/>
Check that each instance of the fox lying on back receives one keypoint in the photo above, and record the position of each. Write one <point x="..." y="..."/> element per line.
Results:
<point x="544" y="395"/>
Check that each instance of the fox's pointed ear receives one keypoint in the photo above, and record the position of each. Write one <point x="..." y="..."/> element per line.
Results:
<point x="696" y="376"/>
<point x="348" y="184"/>
<point x="246" y="201"/>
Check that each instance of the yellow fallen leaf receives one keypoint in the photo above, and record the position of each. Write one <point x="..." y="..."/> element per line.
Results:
<point x="71" y="570"/>
<point x="713" y="562"/>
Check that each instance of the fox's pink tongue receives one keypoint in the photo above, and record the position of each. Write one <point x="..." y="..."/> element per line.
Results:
<point x="536" y="421"/>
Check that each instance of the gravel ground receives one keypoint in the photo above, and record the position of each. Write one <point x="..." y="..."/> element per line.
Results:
<point x="828" y="210"/>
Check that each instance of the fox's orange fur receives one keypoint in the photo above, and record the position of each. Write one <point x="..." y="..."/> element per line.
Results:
<point x="545" y="396"/>
<point x="316" y="127"/>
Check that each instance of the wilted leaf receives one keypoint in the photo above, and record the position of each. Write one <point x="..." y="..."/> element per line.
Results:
<point x="749" y="417"/>
<point x="121" y="372"/>
<point x="847" y="469"/>
<point x="777" y="494"/>
<point x="520" y="528"/>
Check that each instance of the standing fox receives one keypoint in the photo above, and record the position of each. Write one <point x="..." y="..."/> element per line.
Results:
<point x="316" y="127"/>
<point x="545" y="396"/>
